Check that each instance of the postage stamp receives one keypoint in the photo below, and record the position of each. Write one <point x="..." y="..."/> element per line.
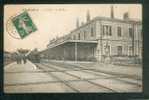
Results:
<point x="24" y="24"/>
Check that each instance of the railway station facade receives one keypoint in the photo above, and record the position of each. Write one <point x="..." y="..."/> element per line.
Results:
<point x="99" y="39"/>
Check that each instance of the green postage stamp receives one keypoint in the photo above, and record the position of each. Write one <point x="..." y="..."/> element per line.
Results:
<point x="24" y="24"/>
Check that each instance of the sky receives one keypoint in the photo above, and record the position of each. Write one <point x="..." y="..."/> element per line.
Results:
<point x="55" y="20"/>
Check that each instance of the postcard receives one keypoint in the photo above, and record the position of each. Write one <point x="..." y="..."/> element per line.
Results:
<point x="73" y="48"/>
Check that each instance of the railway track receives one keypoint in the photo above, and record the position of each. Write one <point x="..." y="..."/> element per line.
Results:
<point x="49" y="68"/>
<point x="96" y="71"/>
<point x="54" y="76"/>
<point x="79" y="78"/>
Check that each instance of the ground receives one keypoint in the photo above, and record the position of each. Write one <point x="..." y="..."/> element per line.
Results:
<point x="67" y="76"/>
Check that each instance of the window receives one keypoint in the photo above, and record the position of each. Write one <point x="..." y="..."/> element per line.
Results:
<point x="107" y="49"/>
<point x="107" y="30"/>
<point x="110" y="31"/>
<point x="119" y="33"/>
<point x="103" y="30"/>
<point x="84" y="35"/>
<point x="130" y="32"/>
<point x="79" y="36"/>
<point x="74" y="37"/>
<point x="119" y="50"/>
<point x="92" y="32"/>
<point x="130" y="51"/>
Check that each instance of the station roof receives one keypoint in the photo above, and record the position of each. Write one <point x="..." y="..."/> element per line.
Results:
<point x="74" y="41"/>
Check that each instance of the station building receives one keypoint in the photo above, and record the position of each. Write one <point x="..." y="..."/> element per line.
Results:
<point x="99" y="39"/>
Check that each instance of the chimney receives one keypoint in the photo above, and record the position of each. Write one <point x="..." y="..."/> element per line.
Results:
<point x="88" y="16"/>
<point x="112" y="12"/>
<point x="126" y="16"/>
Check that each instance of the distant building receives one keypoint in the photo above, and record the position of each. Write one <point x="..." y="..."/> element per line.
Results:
<point x="99" y="39"/>
<point x="9" y="57"/>
<point x="7" y="54"/>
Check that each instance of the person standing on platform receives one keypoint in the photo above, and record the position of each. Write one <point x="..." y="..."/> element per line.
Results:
<point x="24" y="59"/>
<point x="18" y="58"/>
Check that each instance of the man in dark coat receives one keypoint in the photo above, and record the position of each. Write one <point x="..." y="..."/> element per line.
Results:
<point x="24" y="59"/>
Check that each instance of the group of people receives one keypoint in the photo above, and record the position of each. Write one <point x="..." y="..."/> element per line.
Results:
<point x="20" y="58"/>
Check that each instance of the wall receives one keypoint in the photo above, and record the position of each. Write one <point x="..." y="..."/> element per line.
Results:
<point x="85" y="29"/>
<point x="113" y="41"/>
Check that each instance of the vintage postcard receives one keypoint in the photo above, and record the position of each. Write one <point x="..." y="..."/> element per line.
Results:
<point x="73" y="48"/>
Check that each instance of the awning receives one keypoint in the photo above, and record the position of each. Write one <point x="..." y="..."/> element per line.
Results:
<point x="72" y="41"/>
